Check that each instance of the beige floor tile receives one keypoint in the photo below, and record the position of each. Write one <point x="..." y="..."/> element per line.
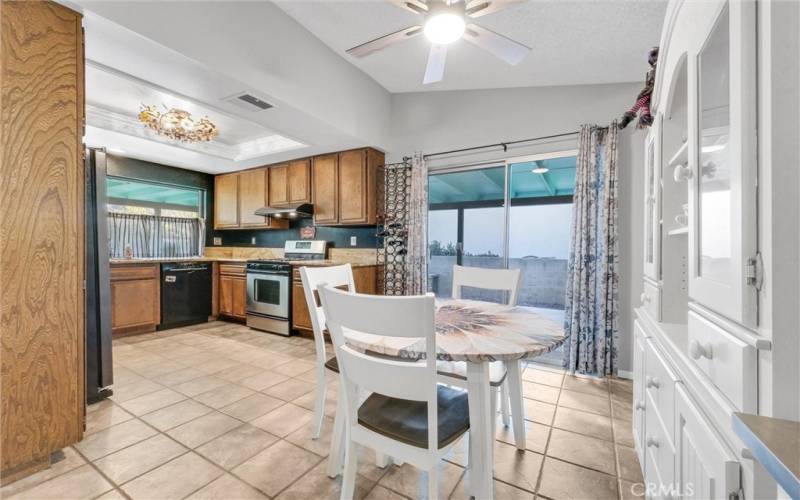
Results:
<point x="285" y="463"/>
<point x="331" y="398"/>
<point x="321" y="446"/>
<point x="223" y="395"/>
<point x="412" y="482"/>
<point x="535" y="435"/>
<point x="623" y="432"/>
<point x="519" y="468"/>
<point x="543" y="377"/>
<point x="284" y="420"/>
<point x="561" y="480"/>
<point x="630" y="491"/>
<point x="112" y="495"/>
<point x="203" y="429"/>
<point x="290" y="389"/>
<point x="64" y="461"/>
<point x="217" y="365"/>
<point x="236" y="446"/>
<point x="135" y="460"/>
<point x="124" y="392"/>
<point x="179" y="376"/>
<point x="621" y="409"/>
<point x="587" y="385"/>
<point x="317" y="484"/>
<point x="103" y="415"/>
<point x="175" y="415"/>
<point x="81" y="483"/>
<point x="114" y="438"/>
<point x="252" y="407"/>
<point x="227" y="487"/>
<point x="175" y="479"/>
<point x="262" y="380"/>
<point x="584" y="402"/>
<point x="629" y="467"/>
<point x="540" y="392"/>
<point x="502" y="491"/>
<point x="583" y="422"/>
<point x="152" y="402"/>
<point x="582" y="450"/>
<point x="621" y="386"/>
<point x="294" y="368"/>
<point x="381" y="493"/>
<point x="200" y="385"/>
<point x="238" y="372"/>
<point x="538" y="411"/>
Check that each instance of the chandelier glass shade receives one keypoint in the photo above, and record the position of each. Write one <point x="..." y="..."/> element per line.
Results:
<point x="178" y="124"/>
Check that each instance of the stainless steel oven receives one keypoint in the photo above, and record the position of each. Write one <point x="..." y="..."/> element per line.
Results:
<point x="268" y="296"/>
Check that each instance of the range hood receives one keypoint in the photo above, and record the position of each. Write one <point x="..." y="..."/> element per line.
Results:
<point x="301" y="211"/>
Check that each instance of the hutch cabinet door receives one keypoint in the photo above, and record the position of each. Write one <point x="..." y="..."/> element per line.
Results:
<point x="652" y="201"/>
<point x="722" y="148"/>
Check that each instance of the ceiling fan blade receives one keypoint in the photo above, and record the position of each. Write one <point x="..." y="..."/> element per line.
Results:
<point x="415" y="6"/>
<point x="478" y="8"/>
<point x="434" y="71"/>
<point x="368" y="48"/>
<point x="505" y="48"/>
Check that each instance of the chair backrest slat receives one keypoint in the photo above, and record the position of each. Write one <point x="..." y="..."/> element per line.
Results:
<point x="336" y="276"/>
<point x="490" y="279"/>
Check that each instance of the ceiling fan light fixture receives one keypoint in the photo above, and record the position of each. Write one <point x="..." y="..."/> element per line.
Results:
<point x="445" y="27"/>
<point x="540" y="170"/>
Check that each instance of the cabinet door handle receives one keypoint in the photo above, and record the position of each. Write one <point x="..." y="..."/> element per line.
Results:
<point x="652" y="382"/>
<point x="640" y="405"/>
<point x="652" y="442"/>
<point x="699" y="350"/>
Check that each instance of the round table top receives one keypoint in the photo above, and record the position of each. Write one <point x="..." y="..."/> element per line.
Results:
<point x="470" y="330"/>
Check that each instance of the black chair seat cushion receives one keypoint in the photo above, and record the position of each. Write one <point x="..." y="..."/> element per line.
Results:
<point x="332" y="364"/>
<point x="407" y="421"/>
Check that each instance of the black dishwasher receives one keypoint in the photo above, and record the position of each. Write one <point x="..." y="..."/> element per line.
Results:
<point x="185" y="294"/>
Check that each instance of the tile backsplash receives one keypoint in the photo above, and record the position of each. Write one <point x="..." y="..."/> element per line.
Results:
<point x="353" y="255"/>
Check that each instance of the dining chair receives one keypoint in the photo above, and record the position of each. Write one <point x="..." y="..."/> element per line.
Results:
<point x="336" y="276"/>
<point x="454" y="373"/>
<point x="408" y="416"/>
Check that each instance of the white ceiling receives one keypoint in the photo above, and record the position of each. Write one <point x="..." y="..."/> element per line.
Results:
<point x="574" y="42"/>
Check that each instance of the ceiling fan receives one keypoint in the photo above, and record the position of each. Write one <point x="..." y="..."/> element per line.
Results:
<point x="446" y="21"/>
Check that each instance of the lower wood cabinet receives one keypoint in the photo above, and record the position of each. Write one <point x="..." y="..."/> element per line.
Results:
<point x="135" y="298"/>
<point x="232" y="291"/>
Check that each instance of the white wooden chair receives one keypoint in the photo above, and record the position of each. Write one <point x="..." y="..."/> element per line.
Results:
<point x="454" y="373"/>
<point x="336" y="276"/>
<point x="408" y="415"/>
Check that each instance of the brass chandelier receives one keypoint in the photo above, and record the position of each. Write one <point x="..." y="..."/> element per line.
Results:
<point x="178" y="124"/>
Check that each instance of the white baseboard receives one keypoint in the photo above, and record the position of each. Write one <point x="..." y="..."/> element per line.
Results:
<point x="625" y="374"/>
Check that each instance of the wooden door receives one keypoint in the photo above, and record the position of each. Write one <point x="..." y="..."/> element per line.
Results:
<point x="325" y="189"/>
<point x="41" y="222"/>
<point x="226" y="295"/>
<point x="239" y="306"/>
<point x="226" y="205"/>
<point x="299" y="181"/>
<point x="278" y="188"/>
<point x="252" y="196"/>
<point x="353" y="187"/>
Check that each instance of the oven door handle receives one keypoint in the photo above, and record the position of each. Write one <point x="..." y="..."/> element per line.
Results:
<point x="270" y="273"/>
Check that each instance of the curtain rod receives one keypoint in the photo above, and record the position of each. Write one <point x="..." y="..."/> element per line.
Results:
<point x="504" y="145"/>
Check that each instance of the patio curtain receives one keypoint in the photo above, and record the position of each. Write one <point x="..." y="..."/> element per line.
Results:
<point x="153" y="236"/>
<point x="417" y="256"/>
<point x="590" y="318"/>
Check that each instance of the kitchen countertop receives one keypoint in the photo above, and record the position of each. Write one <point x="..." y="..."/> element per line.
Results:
<point x="298" y="263"/>
<point x="775" y="443"/>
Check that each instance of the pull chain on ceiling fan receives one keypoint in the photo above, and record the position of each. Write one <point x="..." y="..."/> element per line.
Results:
<point x="446" y="21"/>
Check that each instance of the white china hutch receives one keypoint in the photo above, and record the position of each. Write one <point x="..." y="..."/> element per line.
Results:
<point x="704" y="333"/>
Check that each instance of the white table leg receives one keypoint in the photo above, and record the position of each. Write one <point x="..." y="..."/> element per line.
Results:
<point x="517" y="408"/>
<point x="481" y="437"/>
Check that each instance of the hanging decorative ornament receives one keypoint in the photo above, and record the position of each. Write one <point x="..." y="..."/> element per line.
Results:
<point x="178" y="124"/>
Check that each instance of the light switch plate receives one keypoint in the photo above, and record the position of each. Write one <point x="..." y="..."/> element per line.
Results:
<point x="353" y="241"/>
<point x="217" y="240"/>
<point x="253" y="240"/>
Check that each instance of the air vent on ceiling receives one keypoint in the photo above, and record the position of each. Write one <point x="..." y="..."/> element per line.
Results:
<point x="249" y="102"/>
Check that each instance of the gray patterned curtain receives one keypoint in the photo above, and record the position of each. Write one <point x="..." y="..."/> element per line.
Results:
<point x="417" y="257"/>
<point x="590" y="318"/>
<point x="154" y="236"/>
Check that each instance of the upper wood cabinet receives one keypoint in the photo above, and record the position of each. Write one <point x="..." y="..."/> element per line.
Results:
<point x="325" y="186"/>
<point x="278" y="186"/>
<point x="236" y="198"/>
<point x="345" y="187"/>
<point x="290" y="183"/>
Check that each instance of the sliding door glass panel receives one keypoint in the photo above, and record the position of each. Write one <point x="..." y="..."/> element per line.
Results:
<point x="442" y="248"/>
<point x="483" y="247"/>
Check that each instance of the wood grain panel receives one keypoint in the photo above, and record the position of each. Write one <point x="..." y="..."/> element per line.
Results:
<point x="252" y="196"/>
<point x="41" y="231"/>
<point x="278" y="186"/>
<point x="226" y="195"/>
<point x="325" y="187"/>
<point x="301" y="318"/>
<point x="299" y="181"/>
<point x="353" y="187"/>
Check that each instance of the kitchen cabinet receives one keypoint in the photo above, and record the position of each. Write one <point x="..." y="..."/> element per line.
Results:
<point x="232" y="290"/>
<point x="301" y="318"/>
<point x="236" y="198"/>
<point x="226" y="204"/>
<point x="346" y="191"/>
<point x="290" y="183"/>
<point x="135" y="298"/>
<point x="42" y="227"/>
<point x="278" y="185"/>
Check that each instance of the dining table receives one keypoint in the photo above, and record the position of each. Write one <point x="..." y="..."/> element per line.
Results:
<point x="477" y="333"/>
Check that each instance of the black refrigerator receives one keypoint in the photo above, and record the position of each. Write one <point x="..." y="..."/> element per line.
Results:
<point x="99" y="375"/>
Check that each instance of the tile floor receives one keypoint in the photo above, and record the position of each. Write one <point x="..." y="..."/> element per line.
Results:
<point x="221" y="411"/>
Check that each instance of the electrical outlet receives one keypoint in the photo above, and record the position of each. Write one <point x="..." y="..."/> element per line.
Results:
<point x="253" y="240"/>
<point x="353" y="241"/>
<point x="217" y="241"/>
